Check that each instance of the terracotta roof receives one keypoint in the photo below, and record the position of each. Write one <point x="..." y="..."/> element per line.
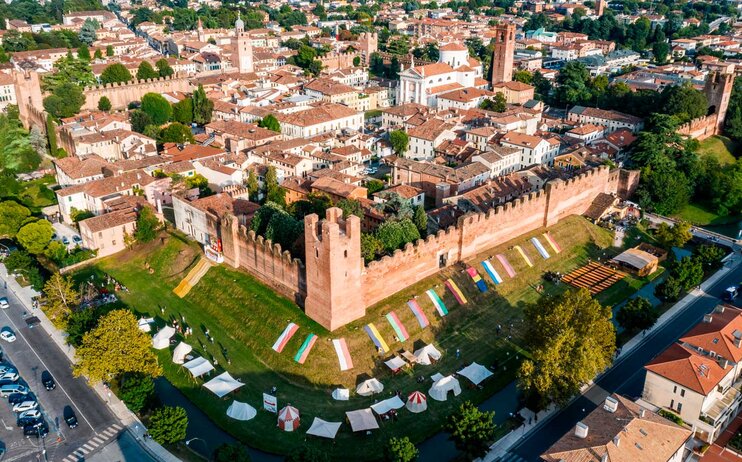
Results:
<point x="317" y="114"/>
<point x="453" y="46"/>
<point x="719" y="334"/>
<point x="329" y="87"/>
<point x="521" y="139"/>
<point x="109" y="220"/>
<point x="81" y="167"/>
<point x="465" y="94"/>
<point x="429" y="70"/>
<point x="109" y="185"/>
<point x="337" y="188"/>
<point x="688" y="368"/>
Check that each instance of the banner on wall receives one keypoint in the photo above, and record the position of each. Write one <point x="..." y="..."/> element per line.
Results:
<point x="270" y="403"/>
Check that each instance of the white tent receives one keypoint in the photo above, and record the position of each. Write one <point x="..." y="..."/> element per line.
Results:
<point x="382" y="407"/>
<point x="323" y="428"/>
<point x="223" y="384"/>
<point x="369" y="387"/>
<point x="427" y="354"/>
<point x="417" y="402"/>
<point x="395" y="363"/>
<point x="161" y="340"/>
<point x="436" y="377"/>
<point x="180" y="352"/>
<point x="439" y="390"/>
<point x="198" y="366"/>
<point x="241" y="411"/>
<point x="341" y="394"/>
<point x="362" y="419"/>
<point x="475" y="372"/>
<point x="144" y="324"/>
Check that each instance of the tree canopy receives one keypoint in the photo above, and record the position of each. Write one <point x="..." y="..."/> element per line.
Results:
<point x="637" y="314"/>
<point x="168" y="424"/>
<point x="399" y="141"/>
<point x="471" y="430"/>
<point x="146" y="71"/>
<point x="271" y="123"/>
<point x="61" y="298"/>
<point x="157" y="108"/>
<point x="400" y="450"/>
<point x="12" y="216"/>
<point x="202" y="106"/>
<point x="148" y="225"/>
<point x="115" y="73"/>
<point x="35" y="236"/>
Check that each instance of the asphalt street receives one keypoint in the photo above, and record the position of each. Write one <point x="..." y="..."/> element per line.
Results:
<point x="627" y="376"/>
<point x="32" y="353"/>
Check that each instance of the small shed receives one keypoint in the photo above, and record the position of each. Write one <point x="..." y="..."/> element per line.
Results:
<point x="636" y="261"/>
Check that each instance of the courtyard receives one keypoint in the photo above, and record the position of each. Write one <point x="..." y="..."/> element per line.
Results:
<point x="245" y="318"/>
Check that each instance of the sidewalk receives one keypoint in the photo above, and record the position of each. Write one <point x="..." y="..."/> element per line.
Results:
<point x="501" y="446"/>
<point x="132" y="423"/>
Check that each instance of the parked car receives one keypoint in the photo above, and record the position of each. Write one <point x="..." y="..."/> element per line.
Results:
<point x="7" y="390"/>
<point x="8" y="336"/>
<point x="25" y="406"/>
<point x="6" y="368"/>
<point x="24" y="421"/>
<point x="34" y="413"/>
<point x="4" y="303"/>
<point x="10" y="376"/>
<point x="16" y="398"/>
<point x="70" y="417"/>
<point x="77" y="239"/>
<point x="48" y="381"/>
<point x="65" y="240"/>
<point x="730" y="294"/>
<point x="39" y="430"/>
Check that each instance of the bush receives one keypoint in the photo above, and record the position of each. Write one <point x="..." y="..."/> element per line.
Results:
<point x="137" y="391"/>
<point x="231" y="453"/>
<point x="168" y="424"/>
<point x="671" y="416"/>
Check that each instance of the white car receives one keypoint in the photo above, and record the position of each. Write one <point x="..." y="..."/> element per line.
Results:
<point x="10" y="375"/>
<point x="4" y="303"/>
<point x="31" y="414"/>
<point x="6" y="368"/>
<point x="25" y="406"/>
<point x="8" y="336"/>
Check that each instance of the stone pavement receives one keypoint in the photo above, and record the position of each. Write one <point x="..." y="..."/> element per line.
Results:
<point x="132" y="423"/>
<point x="500" y="447"/>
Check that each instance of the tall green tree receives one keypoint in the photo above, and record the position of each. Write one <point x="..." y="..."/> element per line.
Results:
<point x="399" y="141"/>
<point x="157" y="108"/>
<point x="104" y="104"/>
<point x="109" y="51"/>
<point x="115" y="73"/>
<point x="395" y="235"/>
<point x="83" y="52"/>
<point x="68" y="69"/>
<point x="146" y="71"/>
<point x="673" y="236"/>
<point x="137" y="391"/>
<point x="400" y="450"/>
<point x="637" y="314"/>
<point x="65" y="101"/>
<point x="202" y="106"/>
<point x="421" y="220"/>
<point x="148" y="225"/>
<point x="231" y="453"/>
<point x="271" y="123"/>
<point x="572" y="325"/>
<point x="183" y="111"/>
<point x="35" y="236"/>
<point x="168" y="424"/>
<point x="684" y="102"/>
<point x="88" y="32"/>
<point x="139" y="120"/>
<point x="17" y="154"/>
<point x="176" y="132"/>
<point x="61" y="298"/>
<point x="471" y="430"/>
<point x="163" y="68"/>
<point x="12" y="216"/>
<point x="253" y="188"/>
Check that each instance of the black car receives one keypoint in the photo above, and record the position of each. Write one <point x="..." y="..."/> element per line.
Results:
<point x="16" y="398"/>
<point x="70" y="417"/>
<point x="39" y="430"/>
<point x="29" y="421"/>
<point x="48" y="381"/>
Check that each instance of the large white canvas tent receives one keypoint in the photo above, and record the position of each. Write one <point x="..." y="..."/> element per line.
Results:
<point x="369" y="387"/>
<point x="144" y="324"/>
<point x="341" y="394"/>
<point x="427" y="354"/>
<point x="439" y="390"/>
<point x="475" y="372"/>
<point x="241" y="411"/>
<point x="362" y="419"/>
<point x="417" y="402"/>
<point x="161" y="340"/>
<point x="223" y="384"/>
<point x="180" y="352"/>
<point x="198" y="366"/>
<point x="324" y="428"/>
<point x="396" y="363"/>
<point x="382" y="407"/>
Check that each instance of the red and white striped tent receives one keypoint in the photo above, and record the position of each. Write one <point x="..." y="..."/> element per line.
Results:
<point x="417" y="402"/>
<point x="288" y="419"/>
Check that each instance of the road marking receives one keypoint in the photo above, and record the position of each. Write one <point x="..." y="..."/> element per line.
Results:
<point x="18" y="331"/>
<point x="98" y="440"/>
<point x="88" y="447"/>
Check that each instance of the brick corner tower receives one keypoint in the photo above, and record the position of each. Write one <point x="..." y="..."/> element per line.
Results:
<point x="502" y="55"/>
<point x="718" y="90"/>
<point x="333" y="269"/>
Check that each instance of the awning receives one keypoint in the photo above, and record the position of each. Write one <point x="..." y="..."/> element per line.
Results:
<point x="241" y="411"/>
<point x="323" y="428"/>
<point x="395" y="363"/>
<point x="475" y="372"/>
<point x="341" y="394"/>
<point x="198" y="366"/>
<point x="180" y="352"/>
<point x="144" y="324"/>
<point x="362" y="419"/>
<point x="161" y="340"/>
<point x="382" y="407"/>
<point x="223" y="384"/>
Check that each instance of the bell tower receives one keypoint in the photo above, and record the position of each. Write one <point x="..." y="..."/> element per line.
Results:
<point x="503" y="52"/>
<point x="243" y="48"/>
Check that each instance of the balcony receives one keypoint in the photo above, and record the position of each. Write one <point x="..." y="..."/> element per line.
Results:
<point x="723" y="406"/>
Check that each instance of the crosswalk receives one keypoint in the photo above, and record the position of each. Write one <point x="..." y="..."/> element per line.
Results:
<point x="93" y="444"/>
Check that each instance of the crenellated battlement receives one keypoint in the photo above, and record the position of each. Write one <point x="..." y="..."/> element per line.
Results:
<point x="268" y="246"/>
<point x="134" y="82"/>
<point x="122" y="93"/>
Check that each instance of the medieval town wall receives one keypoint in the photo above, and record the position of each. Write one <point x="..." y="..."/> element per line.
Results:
<point x="700" y="128"/>
<point x="121" y="94"/>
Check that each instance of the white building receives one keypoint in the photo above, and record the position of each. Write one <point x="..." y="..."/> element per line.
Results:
<point x="426" y="137"/>
<point x="319" y="118"/>
<point x="534" y="150"/>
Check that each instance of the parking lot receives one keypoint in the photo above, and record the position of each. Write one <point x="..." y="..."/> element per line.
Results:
<point x="67" y="235"/>
<point x="33" y="353"/>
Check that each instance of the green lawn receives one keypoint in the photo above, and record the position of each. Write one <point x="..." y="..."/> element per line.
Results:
<point x="246" y="317"/>
<point x="720" y="147"/>
<point x="700" y="215"/>
<point x="33" y="194"/>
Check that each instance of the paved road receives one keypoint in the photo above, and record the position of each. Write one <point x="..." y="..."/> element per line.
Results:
<point x="33" y="353"/>
<point x="627" y="377"/>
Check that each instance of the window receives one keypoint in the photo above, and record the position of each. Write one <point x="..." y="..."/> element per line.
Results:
<point x="682" y="392"/>
<point x="680" y="407"/>
<point x="672" y="404"/>
<point x="675" y="389"/>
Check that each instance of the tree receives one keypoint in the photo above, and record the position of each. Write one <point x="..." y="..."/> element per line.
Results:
<point x="69" y="70"/>
<point x="157" y="108"/>
<point x="400" y="450"/>
<point x="523" y="76"/>
<point x="163" y="68"/>
<point x="350" y="207"/>
<point x="399" y="141"/>
<point x="496" y="104"/>
<point x="274" y="192"/>
<point x="109" y="51"/>
<point x="19" y="260"/>
<point x="115" y="73"/>
<point x="148" y="225"/>
<point x="371" y="247"/>
<point x="374" y="186"/>
<point x="198" y="181"/>
<point x="573" y="85"/>
<point x="709" y="255"/>
<point x="51" y="134"/>
<point x="421" y="220"/>
<point x="87" y="33"/>
<point x="660" y="50"/>
<point x="252" y="186"/>
<point x="684" y="102"/>
<point x="472" y="430"/>
<point x="35" y="236"/>
<point x="146" y="71"/>
<point x="83" y="53"/>
<point x="12" y="216"/>
<point x="394" y="235"/>
<point x="139" y="120"/>
<point x="307" y="453"/>
<point x="637" y="314"/>
<point x="114" y="347"/>
<point x="168" y="424"/>
<point x="357" y="61"/>
<point x="104" y="104"/>
<point x="202" y="106"/>
<point x="688" y="271"/>
<point x="271" y="123"/>
<point x="98" y="54"/>
<point x="61" y="298"/>
<point x="673" y="236"/>
<point x="572" y="325"/>
<point x="176" y="133"/>
<point x="137" y="391"/>
<point x="56" y="251"/>
<point x="65" y="101"/>
<point x="231" y="453"/>
<point x="183" y="111"/>
<point x="668" y="290"/>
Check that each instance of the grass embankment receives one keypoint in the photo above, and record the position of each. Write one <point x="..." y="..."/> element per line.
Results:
<point x="719" y="147"/>
<point x="245" y="318"/>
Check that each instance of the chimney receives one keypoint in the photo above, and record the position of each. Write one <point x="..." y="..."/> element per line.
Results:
<point x="581" y="430"/>
<point x="617" y="440"/>
<point x="737" y="338"/>
<point x="611" y="404"/>
<point x="719" y="309"/>
<point x="723" y="363"/>
<point x="642" y="411"/>
<point x="707" y="318"/>
<point x="604" y="457"/>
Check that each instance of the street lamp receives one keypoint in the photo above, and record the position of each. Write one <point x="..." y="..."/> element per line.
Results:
<point x="188" y="442"/>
